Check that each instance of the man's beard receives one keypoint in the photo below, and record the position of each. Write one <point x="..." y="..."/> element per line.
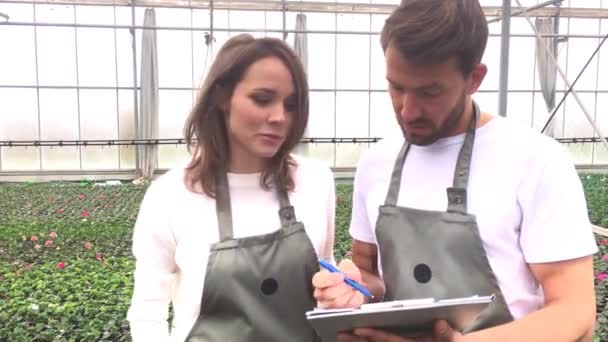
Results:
<point x="437" y="133"/>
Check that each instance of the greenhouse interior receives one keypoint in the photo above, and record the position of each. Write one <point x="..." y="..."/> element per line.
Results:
<point x="94" y="96"/>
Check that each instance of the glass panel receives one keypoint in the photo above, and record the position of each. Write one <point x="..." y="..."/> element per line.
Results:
<point x="491" y="58"/>
<point x="576" y="122"/>
<point x="321" y="117"/>
<point x="383" y="121"/>
<point x="584" y="25"/>
<point x="603" y="58"/>
<point x="378" y="22"/>
<point x="96" y="58"/>
<point x="562" y="60"/>
<point x="56" y="14"/>
<point x="174" y="59"/>
<point x="126" y="128"/>
<point x="319" y="21"/>
<point x="95" y="15"/>
<point x="352" y="68"/>
<point x="20" y="158"/>
<point x="354" y="22"/>
<point x="274" y="20"/>
<point x="579" y="51"/>
<point x="601" y="153"/>
<point x="98" y="120"/>
<point x="519" y="107"/>
<point x="174" y="107"/>
<point x="18" y="67"/>
<point x="170" y="156"/>
<point x="541" y="114"/>
<point x="324" y="152"/>
<point x="19" y="121"/>
<point x="582" y="153"/>
<point x="124" y="58"/>
<point x="18" y="12"/>
<point x="201" y="18"/>
<point x="221" y="19"/>
<point x="247" y="19"/>
<point x="488" y="102"/>
<point x="56" y="66"/>
<point x="201" y="57"/>
<point x="348" y="154"/>
<point x="59" y="121"/>
<point x="173" y="17"/>
<point x="521" y="65"/>
<point x="377" y="65"/>
<point x="321" y="66"/>
<point x="352" y="114"/>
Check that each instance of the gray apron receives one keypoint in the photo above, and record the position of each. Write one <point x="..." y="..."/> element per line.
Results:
<point x="257" y="288"/>
<point x="438" y="254"/>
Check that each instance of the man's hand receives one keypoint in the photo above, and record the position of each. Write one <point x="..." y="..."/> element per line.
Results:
<point x="332" y="292"/>
<point x="442" y="333"/>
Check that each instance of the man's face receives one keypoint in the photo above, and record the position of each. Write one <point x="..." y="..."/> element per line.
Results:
<point x="429" y="100"/>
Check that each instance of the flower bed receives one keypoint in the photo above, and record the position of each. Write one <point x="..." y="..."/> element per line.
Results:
<point x="66" y="265"/>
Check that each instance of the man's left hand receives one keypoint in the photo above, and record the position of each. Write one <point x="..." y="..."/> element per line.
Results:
<point x="442" y="332"/>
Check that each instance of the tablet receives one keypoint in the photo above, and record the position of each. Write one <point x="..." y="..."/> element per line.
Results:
<point x="407" y="318"/>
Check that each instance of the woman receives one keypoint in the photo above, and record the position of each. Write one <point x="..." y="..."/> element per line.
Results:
<point x="220" y="239"/>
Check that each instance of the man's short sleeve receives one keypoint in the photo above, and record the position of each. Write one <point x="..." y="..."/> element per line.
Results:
<point x="360" y="226"/>
<point x="555" y="223"/>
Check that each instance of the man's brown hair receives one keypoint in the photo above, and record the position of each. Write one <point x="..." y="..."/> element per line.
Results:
<point x="207" y="123"/>
<point x="433" y="31"/>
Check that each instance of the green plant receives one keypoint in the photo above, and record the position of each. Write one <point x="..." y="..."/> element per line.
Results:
<point x="78" y="286"/>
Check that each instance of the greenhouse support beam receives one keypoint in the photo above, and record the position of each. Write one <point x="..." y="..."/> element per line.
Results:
<point x="306" y="6"/>
<point x="261" y="29"/>
<point x="503" y="80"/>
<point x="526" y="10"/>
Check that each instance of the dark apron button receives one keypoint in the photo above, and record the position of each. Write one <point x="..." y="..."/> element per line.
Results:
<point x="422" y="273"/>
<point x="269" y="286"/>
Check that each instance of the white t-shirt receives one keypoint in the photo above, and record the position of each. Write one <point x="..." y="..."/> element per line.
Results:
<point x="175" y="229"/>
<point x="523" y="189"/>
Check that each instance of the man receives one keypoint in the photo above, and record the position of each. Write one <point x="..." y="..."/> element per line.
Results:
<point x="468" y="203"/>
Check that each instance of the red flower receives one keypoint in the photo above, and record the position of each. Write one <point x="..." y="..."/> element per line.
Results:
<point x="59" y="211"/>
<point x="50" y="199"/>
<point x="34" y="238"/>
<point x="100" y="196"/>
<point x="48" y="242"/>
<point x="85" y="214"/>
<point x="81" y="197"/>
<point x="61" y="265"/>
<point x="88" y="245"/>
<point x="99" y="257"/>
<point x="603" y="242"/>
<point x="53" y="234"/>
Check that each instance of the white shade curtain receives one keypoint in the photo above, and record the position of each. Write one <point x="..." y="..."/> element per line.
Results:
<point x="547" y="71"/>
<point x="148" y="110"/>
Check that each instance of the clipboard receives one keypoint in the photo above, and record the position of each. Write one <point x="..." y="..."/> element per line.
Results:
<point x="407" y="318"/>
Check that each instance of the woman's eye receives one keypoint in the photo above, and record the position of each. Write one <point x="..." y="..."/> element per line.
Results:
<point x="262" y="99"/>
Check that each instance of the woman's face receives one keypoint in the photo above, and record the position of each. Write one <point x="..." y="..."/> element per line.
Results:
<point x="260" y="114"/>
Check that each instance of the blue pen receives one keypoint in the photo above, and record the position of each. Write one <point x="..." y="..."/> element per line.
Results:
<point x="347" y="280"/>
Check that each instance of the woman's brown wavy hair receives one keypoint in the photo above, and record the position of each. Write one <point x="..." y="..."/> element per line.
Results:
<point x="206" y="127"/>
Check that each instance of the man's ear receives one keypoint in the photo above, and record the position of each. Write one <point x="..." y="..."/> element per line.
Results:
<point x="476" y="77"/>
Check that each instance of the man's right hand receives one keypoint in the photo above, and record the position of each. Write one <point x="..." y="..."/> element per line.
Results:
<point x="332" y="292"/>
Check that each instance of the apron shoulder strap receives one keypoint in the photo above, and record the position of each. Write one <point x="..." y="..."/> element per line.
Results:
<point x="286" y="212"/>
<point x="395" y="183"/>
<point x="223" y="207"/>
<point x="457" y="194"/>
